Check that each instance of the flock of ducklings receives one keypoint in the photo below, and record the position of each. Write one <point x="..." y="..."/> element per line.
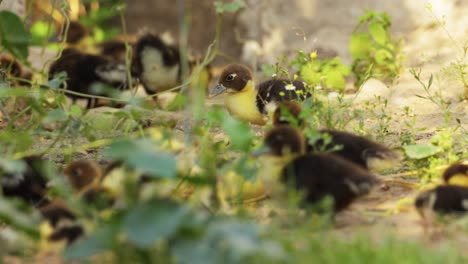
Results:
<point x="345" y="174"/>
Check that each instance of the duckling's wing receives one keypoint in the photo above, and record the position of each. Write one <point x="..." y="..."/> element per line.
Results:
<point x="273" y="91"/>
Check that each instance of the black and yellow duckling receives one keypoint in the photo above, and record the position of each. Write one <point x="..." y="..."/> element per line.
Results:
<point x="319" y="175"/>
<point x="156" y="64"/>
<point x="115" y="49"/>
<point x="30" y="185"/>
<point x="251" y="104"/>
<point x="357" y="149"/>
<point x="449" y="198"/>
<point x="90" y="74"/>
<point x="61" y="223"/>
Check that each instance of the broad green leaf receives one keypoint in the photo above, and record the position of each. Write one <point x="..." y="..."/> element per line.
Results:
<point x="12" y="165"/>
<point x="26" y="222"/>
<point x="360" y="45"/>
<point x="421" y="151"/>
<point x="57" y="81"/>
<point x="239" y="132"/>
<point x="40" y="32"/>
<point x="383" y="57"/>
<point x="75" y="111"/>
<point x="335" y="80"/>
<point x="98" y="241"/>
<point x="55" y="115"/>
<point x="378" y="33"/>
<point x="153" y="221"/>
<point x="143" y="155"/>
<point x="13" y="35"/>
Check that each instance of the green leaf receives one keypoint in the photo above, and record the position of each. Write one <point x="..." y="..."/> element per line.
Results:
<point x="382" y="57"/>
<point x="40" y="32"/>
<point x="98" y="241"/>
<point x="239" y="132"/>
<point x="360" y="45"/>
<point x="25" y="222"/>
<point x="378" y="33"/>
<point x="13" y="35"/>
<point x="421" y="151"/>
<point x="56" y="115"/>
<point x="57" y="81"/>
<point x="143" y="155"/>
<point x="231" y="7"/>
<point x="75" y="111"/>
<point x="152" y="221"/>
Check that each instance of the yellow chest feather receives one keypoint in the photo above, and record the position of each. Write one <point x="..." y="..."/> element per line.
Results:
<point x="243" y="106"/>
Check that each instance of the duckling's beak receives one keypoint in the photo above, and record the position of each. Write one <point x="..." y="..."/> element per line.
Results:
<point x="263" y="150"/>
<point x="219" y="89"/>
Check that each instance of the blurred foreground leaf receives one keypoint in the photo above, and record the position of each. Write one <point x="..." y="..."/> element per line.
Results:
<point x="421" y="151"/>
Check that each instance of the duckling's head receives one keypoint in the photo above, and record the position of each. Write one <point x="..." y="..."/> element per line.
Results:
<point x="288" y="112"/>
<point x="82" y="173"/>
<point x="76" y="32"/>
<point x="456" y="174"/>
<point x="233" y="79"/>
<point x="283" y="140"/>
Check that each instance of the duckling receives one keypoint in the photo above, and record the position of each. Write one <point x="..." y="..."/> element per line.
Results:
<point x="156" y="64"/>
<point x="61" y="223"/>
<point x="456" y="174"/>
<point x="82" y="174"/>
<point x="250" y="104"/>
<point x="451" y="197"/>
<point x="15" y="70"/>
<point x="86" y="72"/>
<point x="286" y="112"/>
<point x="357" y="149"/>
<point x="114" y="49"/>
<point x="319" y="175"/>
<point x="29" y="185"/>
<point x="86" y="178"/>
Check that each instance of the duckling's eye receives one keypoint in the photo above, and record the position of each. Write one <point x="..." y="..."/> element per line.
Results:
<point x="231" y="77"/>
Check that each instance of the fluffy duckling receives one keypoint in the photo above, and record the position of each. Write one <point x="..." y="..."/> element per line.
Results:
<point x="156" y="63"/>
<point x="15" y="70"/>
<point x="29" y="185"/>
<point x="89" y="73"/>
<point x="452" y="197"/>
<point x="456" y="174"/>
<point x="61" y="223"/>
<point x="357" y="149"/>
<point x="319" y="175"/>
<point x="246" y="102"/>
<point x="86" y="177"/>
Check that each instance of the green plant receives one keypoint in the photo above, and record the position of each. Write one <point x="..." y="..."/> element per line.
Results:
<point x="327" y="73"/>
<point x="373" y="49"/>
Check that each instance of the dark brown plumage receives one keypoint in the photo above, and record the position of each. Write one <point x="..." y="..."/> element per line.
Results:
<point x="76" y="32"/>
<point x="29" y="185"/>
<point x="444" y="199"/>
<point x="86" y="73"/>
<point x="114" y="49"/>
<point x="319" y="175"/>
<point x="82" y="174"/>
<point x="357" y="149"/>
<point x="288" y="113"/>
<point x="449" y="198"/>
<point x="85" y="177"/>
